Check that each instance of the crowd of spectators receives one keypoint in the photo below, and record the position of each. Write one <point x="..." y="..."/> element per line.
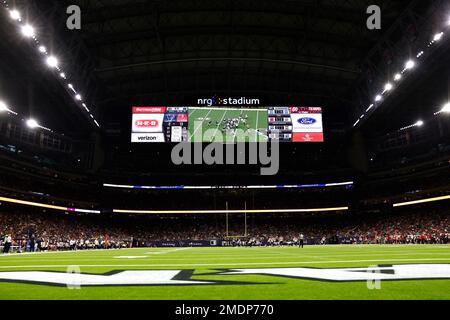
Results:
<point x="421" y="227"/>
<point x="52" y="231"/>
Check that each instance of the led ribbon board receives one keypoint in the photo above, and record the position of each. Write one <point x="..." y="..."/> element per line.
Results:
<point x="281" y="186"/>
<point x="230" y="211"/>
<point x="47" y="206"/>
<point x="410" y="203"/>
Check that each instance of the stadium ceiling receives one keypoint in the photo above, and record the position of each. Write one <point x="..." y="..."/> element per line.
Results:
<point x="306" y="52"/>
<point x="282" y="50"/>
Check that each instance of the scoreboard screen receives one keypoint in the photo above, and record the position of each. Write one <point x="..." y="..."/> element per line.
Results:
<point x="153" y="124"/>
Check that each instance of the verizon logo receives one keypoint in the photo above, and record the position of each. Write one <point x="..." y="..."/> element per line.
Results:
<point x="147" y="138"/>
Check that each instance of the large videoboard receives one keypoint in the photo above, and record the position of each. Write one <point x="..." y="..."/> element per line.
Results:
<point x="153" y="124"/>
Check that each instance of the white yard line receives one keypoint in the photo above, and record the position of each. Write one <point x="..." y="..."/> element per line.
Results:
<point x="257" y="120"/>
<point x="29" y="254"/>
<point x="235" y="132"/>
<point x="231" y="257"/>
<point x="367" y="254"/>
<point x="244" y="258"/>
<point x="192" y="113"/>
<point x="219" y="264"/>
<point x="200" y="126"/>
<point x="418" y="249"/>
<point x="259" y="133"/>
<point x="217" y="129"/>
<point x="58" y="252"/>
<point x="168" y="251"/>
<point x="256" y="125"/>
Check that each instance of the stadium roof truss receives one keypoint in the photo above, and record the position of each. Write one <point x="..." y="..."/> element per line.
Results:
<point x="282" y="51"/>
<point x="410" y="39"/>
<point x="51" y="37"/>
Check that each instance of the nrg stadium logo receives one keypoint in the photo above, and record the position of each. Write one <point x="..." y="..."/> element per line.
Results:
<point x="220" y="101"/>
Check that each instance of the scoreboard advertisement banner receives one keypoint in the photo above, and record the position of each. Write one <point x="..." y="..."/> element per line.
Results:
<point x="149" y="123"/>
<point x="158" y="124"/>
<point x="295" y="124"/>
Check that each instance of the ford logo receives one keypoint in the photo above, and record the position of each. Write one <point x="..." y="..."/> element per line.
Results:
<point x="307" y="121"/>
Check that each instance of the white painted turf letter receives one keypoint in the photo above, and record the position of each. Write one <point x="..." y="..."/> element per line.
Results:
<point x="396" y="272"/>
<point x="72" y="279"/>
<point x="123" y="278"/>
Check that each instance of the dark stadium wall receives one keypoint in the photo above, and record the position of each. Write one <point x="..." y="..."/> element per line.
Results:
<point x="357" y="153"/>
<point x="98" y="157"/>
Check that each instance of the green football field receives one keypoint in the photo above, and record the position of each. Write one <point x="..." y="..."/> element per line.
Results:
<point x="205" y="273"/>
<point x="206" y="123"/>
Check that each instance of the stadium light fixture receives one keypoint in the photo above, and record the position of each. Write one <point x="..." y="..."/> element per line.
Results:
<point x="14" y="14"/>
<point x="3" y="107"/>
<point x="446" y="108"/>
<point x="409" y="65"/>
<point x="438" y="36"/>
<point x="419" y="123"/>
<point x="72" y="88"/>
<point x="52" y="62"/>
<point x="28" y="31"/>
<point x="32" y="124"/>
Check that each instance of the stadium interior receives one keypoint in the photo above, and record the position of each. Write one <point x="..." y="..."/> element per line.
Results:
<point x="70" y="179"/>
